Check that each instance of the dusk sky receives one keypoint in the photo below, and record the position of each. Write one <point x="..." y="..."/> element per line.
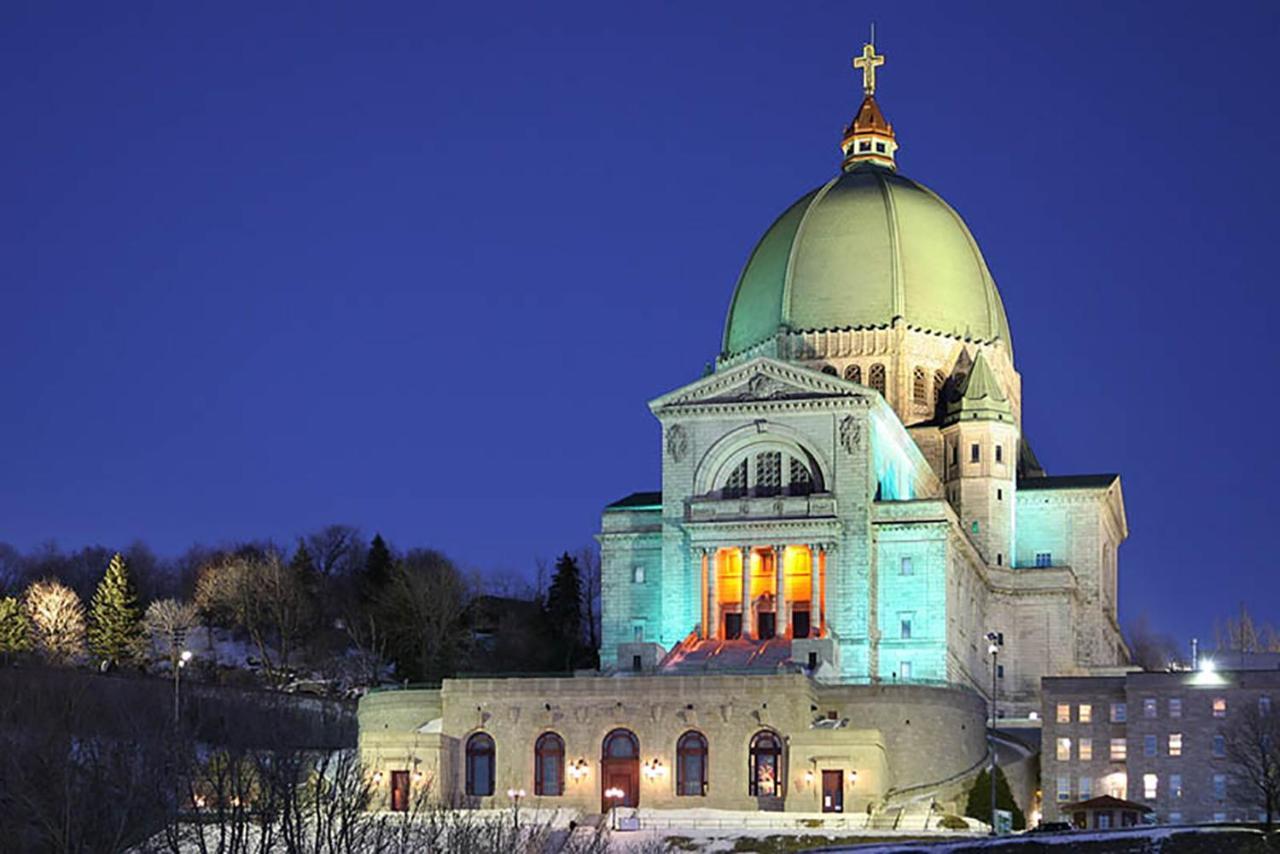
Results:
<point x="418" y="267"/>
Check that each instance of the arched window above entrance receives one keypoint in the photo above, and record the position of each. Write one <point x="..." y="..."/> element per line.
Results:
<point x="621" y="744"/>
<point x="767" y="470"/>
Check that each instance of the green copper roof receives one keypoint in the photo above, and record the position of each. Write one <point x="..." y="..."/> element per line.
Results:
<point x="865" y="248"/>
<point x="981" y="397"/>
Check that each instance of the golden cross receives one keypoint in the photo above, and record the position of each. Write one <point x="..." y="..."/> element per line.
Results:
<point x="868" y="62"/>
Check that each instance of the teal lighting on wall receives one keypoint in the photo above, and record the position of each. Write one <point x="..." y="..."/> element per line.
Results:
<point x="893" y="465"/>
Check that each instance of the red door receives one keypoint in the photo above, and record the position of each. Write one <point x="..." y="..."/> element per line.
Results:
<point x="623" y="775"/>
<point x="400" y="791"/>
<point x="833" y="791"/>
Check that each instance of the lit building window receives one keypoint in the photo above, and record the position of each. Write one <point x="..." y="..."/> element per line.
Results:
<point x="1149" y="707"/>
<point x="1086" y="788"/>
<point x="1175" y="744"/>
<point x="1064" y="789"/>
<point x="1044" y="559"/>
<point x="637" y="575"/>
<point x="904" y="667"/>
<point x="1175" y="707"/>
<point x="1175" y="786"/>
<point x="1119" y="713"/>
<point x="1219" y="707"/>
<point x="1220" y="786"/>
<point x="1064" y="713"/>
<point x="1086" y="713"/>
<point x="691" y="764"/>
<point x="1149" y="784"/>
<point x="907" y="568"/>
<point x="1064" y="749"/>
<point x="1118" y="749"/>
<point x="1219" y="746"/>
<point x="904" y="626"/>
<point x="1219" y="817"/>
<point x="765" y="766"/>
<point x="1085" y="749"/>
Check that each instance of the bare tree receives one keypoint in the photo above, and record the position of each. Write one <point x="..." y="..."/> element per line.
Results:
<point x="1245" y="635"/>
<point x="589" y="564"/>
<point x="1253" y="756"/>
<point x="263" y="596"/>
<point x="1152" y="650"/>
<point x="57" y="621"/>
<point x="11" y="569"/>
<point x="421" y="611"/>
<point x="336" y="549"/>
<point x="167" y="623"/>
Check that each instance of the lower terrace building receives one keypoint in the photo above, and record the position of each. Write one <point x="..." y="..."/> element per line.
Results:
<point x="1156" y="739"/>
<point x="849" y="504"/>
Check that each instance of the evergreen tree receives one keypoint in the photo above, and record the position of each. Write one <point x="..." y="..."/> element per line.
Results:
<point x="563" y="610"/>
<point x="378" y="566"/>
<point x="115" y="623"/>
<point x="979" y="804"/>
<point x="15" y="627"/>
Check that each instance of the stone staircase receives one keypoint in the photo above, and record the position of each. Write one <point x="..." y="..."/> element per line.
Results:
<point x="693" y="656"/>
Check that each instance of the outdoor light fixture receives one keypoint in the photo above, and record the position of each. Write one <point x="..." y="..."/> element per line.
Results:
<point x="808" y="777"/>
<point x="853" y="777"/>
<point x="654" y="769"/>
<point x="614" y="794"/>
<point x="377" y="778"/>
<point x="578" y="770"/>
<point x="515" y="794"/>
<point x="418" y="776"/>
<point x="184" y="658"/>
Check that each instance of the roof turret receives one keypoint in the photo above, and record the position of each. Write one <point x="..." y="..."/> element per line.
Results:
<point x="980" y="397"/>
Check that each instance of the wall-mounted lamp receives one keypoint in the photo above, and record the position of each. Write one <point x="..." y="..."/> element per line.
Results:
<point x="654" y="769"/>
<point x="418" y="776"/>
<point x="853" y="777"/>
<point x="578" y="770"/>
<point x="809" y="777"/>
<point x="377" y="778"/>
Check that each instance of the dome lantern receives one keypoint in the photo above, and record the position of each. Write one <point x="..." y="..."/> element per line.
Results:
<point x="869" y="138"/>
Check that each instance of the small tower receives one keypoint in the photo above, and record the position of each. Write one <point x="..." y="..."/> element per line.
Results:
<point x="980" y="447"/>
<point x="869" y="138"/>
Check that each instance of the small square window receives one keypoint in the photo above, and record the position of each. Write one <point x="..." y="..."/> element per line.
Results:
<point x="1149" y="745"/>
<point x="1085" y="749"/>
<point x="864" y="146"/>
<point x="1149" y="784"/>
<point x="1119" y="713"/>
<point x="1219" y="707"/>
<point x="1086" y="713"/>
<point x="907" y="568"/>
<point x="1044" y="559"/>
<point x="1064" y="713"/>
<point x="880" y="147"/>
<point x="1175" y="707"/>
<point x="1119" y="750"/>
<point x="1219" y="746"/>
<point x="1149" y="707"/>
<point x="1175" y="744"/>
<point x="1064" y="750"/>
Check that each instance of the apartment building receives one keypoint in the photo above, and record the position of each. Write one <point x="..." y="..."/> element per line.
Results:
<point x="1157" y="739"/>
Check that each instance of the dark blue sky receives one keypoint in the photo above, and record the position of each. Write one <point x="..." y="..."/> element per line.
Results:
<point x="418" y="267"/>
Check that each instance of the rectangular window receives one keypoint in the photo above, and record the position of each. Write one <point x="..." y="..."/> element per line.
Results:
<point x="906" y="567"/>
<point x="904" y="667"/>
<point x="1044" y="559"/>
<point x="999" y="671"/>
<point x="1064" y="790"/>
<point x="1175" y="818"/>
<point x="1086" y="713"/>
<point x="1219" y="707"/>
<point x="999" y="454"/>
<point x="1118" y="749"/>
<point x="1220" y="786"/>
<point x="1086" y="788"/>
<point x="1175" y="707"/>
<point x="1148" y="745"/>
<point x="864" y="145"/>
<point x="904" y="626"/>
<point x="880" y="147"/>
<point x="1219" y="746"/>
<point x="1064" y="750"/>
<point x="1085" y="749"/>
<point x="1175" y="744"/>
<point x="1119" y="713"/>
<point x="1175" y="786"/>
<point x="637" y="632"/>
<point x="1149" y="707"/>
<point x="975" y="453"/>
<point x="1149" y="785"/>
<point x="1219" y="817"/>
<point x="1064" y="714"/>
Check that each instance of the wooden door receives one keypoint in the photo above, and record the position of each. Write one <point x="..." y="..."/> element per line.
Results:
<point x="621" y="774"/>
<point x="833" y="791"/>
<point x="400" y="791"/>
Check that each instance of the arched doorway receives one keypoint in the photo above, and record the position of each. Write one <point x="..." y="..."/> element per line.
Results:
<point x="620" y="769"/>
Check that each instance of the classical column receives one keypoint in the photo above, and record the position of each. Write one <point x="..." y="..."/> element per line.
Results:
<point x="748" y="629"/>
<point x="702" y="598"/>
<point x="822" y="589"/>
<point x="780" y="592"/>
<point x="713" y="606"/>
<point x="815" y="594"/>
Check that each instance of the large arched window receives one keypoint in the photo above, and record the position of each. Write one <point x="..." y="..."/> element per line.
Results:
<point x="939" y="383"/>
<point x="480" y="761"/>
<point x="548" y="765"/>
<point x="919" y="387"/>
<point x="853" y="373"/>
<point x="691" y="764"/>
<point x="621" y="744"/>
<point x="765" y="768"/>
<point x="766" y="472"/>
<point x="877" y="377"/>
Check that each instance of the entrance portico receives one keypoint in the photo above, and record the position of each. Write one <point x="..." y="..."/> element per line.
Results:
<point x="754" y="592"/>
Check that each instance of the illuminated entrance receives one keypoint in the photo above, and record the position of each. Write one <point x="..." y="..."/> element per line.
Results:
<point x="620" y="770"/>
<point x="763" y="592"/>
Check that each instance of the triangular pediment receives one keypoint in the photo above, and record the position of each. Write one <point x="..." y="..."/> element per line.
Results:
<point x="759" y="380"/>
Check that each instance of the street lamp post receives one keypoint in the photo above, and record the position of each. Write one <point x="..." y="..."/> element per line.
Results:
<point x="180" y="661"/>
<point x="994" y="640"/>
<point x="515" y="795"/>
<point x="614" y="794"/>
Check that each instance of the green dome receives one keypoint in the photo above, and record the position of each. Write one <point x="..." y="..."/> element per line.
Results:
<point x="865" y="248"/>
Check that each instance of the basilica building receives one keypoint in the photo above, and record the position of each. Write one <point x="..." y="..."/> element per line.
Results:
<point x="849" y="507"/>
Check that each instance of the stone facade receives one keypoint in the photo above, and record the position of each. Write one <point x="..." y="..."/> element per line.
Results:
<point x="1169" y="730"/>
<point x="884" y="740"/>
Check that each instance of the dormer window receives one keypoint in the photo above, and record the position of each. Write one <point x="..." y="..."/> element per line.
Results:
<point x="864" y="146"/>
<point x="880" y="147"/>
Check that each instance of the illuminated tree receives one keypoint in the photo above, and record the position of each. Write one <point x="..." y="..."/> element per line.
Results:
<point x="115" y="625"/>
<point x="167" y="623"/>
<point x="15" y="627"/>
<point x="57" y="620"/>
